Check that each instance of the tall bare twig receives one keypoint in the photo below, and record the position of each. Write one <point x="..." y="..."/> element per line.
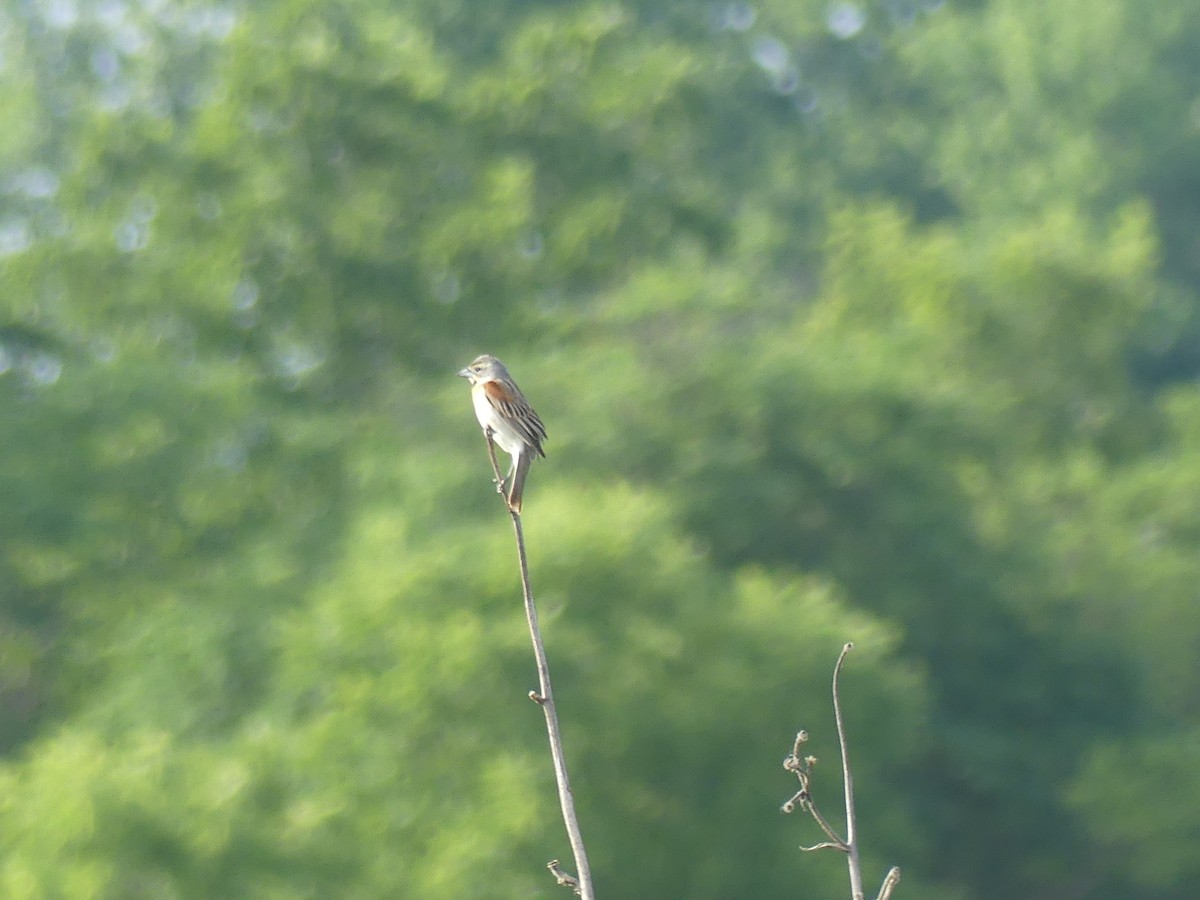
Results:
<point x="856" y="882"/>
<point x="544" y="697"/>
<point x="802" y="768"/>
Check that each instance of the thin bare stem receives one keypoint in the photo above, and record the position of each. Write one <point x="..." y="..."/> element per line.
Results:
<point x="889" y="883"/>
<point x="545" y="699"/>
<point x="856" y="882"/>
<point x="825" y="826"/>
<point x="491" y="445"/>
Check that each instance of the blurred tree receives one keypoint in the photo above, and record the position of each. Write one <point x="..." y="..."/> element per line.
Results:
<point x="849" y="321"/>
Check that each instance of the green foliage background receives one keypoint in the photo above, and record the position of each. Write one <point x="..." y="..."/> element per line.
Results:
<point x="873" y="321"/>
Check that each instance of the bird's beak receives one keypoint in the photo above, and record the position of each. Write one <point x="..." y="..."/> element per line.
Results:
<point x="464" y="373"/>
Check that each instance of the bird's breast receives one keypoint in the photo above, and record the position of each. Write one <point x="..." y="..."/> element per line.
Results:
<point x="504" y="434"/>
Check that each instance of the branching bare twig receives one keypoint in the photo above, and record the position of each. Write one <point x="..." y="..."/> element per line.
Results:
<point x="802" y="768"/>
<point x="544" y="697"/>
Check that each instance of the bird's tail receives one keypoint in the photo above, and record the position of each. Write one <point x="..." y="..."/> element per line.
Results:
<point x="520" y="470"/>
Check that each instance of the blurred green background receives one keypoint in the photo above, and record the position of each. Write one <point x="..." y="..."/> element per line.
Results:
<point x="873" y="321"/>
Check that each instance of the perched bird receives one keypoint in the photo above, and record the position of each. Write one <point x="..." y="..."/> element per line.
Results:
<point x="503" y="411"/>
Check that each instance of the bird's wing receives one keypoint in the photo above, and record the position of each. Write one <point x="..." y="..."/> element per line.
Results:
<point x="512" y="405"/>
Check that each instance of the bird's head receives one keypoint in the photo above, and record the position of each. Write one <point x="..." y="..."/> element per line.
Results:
<point x="484" y="368"/>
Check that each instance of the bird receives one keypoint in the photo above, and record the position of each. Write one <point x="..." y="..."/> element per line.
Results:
<point x="506" y="416"/>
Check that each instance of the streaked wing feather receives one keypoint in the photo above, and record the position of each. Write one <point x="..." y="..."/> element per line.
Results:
<point x="508" y="400"/>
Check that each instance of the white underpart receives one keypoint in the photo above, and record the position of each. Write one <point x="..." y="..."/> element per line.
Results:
<point x="504" y="434"/>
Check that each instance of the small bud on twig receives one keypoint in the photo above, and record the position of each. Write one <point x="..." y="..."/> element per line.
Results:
<point x="561" y="877"/>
